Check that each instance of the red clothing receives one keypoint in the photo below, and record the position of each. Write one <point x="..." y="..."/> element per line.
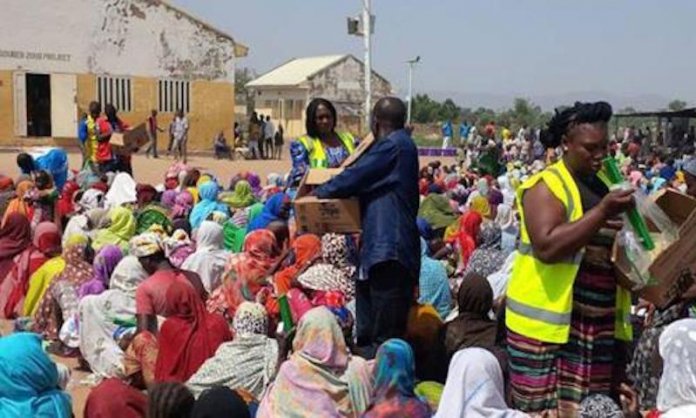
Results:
<point x="103" y="153"/>
<point x="151" y="295"/>
<point x="469" y="228"/>
<point x="189" y="336"/>
<point x="114" y="398"/>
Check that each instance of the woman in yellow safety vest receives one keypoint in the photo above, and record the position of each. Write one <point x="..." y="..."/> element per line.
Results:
<point x="564" y="313"/>
<point x="322" y="146"/>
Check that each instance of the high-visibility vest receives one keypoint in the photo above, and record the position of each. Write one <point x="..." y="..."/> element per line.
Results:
<point x="317" y="154"/>
<point x="540" y="296"/>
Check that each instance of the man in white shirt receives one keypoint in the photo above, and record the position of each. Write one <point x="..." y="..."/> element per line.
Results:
<point x="180" y="132"/>
<point x="268" y="134"/>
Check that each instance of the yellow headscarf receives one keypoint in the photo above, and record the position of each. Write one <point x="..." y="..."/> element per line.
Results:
<point x="480" y="204"/>
<point x="121" y="230"/>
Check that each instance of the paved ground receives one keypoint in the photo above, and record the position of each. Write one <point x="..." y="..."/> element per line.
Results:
<point x="151" y="171"/>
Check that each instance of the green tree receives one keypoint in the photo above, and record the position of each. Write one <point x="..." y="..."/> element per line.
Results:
<point x="449" y="111"/>
<point x="424" y="109"/>
<point x="242" y="76"/>
<point x="676" y="105"/>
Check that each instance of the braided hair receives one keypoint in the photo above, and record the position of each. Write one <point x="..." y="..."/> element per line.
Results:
<point x="566" y="119"/>
<point x="170" y="400"/>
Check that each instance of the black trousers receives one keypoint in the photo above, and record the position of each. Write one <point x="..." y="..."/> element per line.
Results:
<point x="382" y="305"/>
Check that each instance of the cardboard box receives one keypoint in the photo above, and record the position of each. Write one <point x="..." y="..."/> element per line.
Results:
<point x="131" y="140"/>
<point x="320" y="216"/>
<point x="675" y="267"/>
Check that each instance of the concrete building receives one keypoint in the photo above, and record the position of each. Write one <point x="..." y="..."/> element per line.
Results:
<point x="57" y="56"/>
<point x="285" y="91"/>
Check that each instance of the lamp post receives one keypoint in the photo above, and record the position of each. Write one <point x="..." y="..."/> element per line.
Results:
<point x="411" y="63"/>
<point x="367" y="35"/>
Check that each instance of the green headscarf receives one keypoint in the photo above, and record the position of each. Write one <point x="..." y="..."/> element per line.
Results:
<point x="242" y="196"/>
<point x="436" y="209"/>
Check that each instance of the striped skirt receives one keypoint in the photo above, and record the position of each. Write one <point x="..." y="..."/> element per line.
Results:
<point x="551" y="380"/>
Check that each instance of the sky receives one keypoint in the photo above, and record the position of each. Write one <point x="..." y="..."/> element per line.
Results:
<point x="546" y="50"/>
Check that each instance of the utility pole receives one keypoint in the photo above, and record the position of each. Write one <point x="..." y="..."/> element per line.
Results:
<point x="367" y="35"/>
<point x="411" y="63"/>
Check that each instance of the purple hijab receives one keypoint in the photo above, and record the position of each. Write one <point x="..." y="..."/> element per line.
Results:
<point x="104" y="264"/>
<point x="169" y="198"/>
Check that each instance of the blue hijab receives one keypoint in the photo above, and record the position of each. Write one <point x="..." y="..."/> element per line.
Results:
<point x="270" y="213"/>
<point x="433" y="284"/>
<point x="29" y="380"/>
<point x="208" y="193"/>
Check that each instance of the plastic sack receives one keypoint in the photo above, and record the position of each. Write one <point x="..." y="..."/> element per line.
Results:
<point x="639" y="258"/>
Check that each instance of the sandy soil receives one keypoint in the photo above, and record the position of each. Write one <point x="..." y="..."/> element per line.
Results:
<point x="152" y="171"/>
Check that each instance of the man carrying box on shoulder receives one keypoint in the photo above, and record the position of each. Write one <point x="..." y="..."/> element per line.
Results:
<point x="385" y="179"/>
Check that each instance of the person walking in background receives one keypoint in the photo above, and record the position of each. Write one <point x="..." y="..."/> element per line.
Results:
<point x="268" y="134"/>
<point x="463" y="133"/>
<point x="180" y="131"/>
<point x="92" y="131"/>
<point x="447" y="133"/>
<point x="237" y="136"/>
<point x="152" y="129"/>
<point x="279" y="141"/>
<point x="254" y="135"/>
<point x="386" y="180"/>
<point x="262" y="134"/>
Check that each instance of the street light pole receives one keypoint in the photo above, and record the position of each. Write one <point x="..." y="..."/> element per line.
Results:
<point x="412" y="63"/>
<point x="367" y="35"/>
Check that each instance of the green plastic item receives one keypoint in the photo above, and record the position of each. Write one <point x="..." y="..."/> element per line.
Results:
<point x="285" y="313"/>
<point x="637" y="221"/>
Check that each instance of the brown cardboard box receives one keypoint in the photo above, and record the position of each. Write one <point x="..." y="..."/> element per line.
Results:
<point x="131" y="140"/>
<point x="320" y="216"/>
<point x="675" y="267"/>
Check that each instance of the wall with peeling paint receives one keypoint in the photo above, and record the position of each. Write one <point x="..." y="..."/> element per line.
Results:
<point x="117" y="37"/>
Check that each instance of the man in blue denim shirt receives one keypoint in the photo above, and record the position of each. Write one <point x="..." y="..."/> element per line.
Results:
<point x="385" y="179"/>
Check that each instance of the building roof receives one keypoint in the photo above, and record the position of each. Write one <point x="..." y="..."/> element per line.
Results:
<point x="296" y="71"/>
<point x="239" y="49"/>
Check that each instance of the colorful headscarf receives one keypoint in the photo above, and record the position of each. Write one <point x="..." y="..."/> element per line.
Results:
<point x="250" y="318"/>
<point x="467" y="235"/>
<point x="145" y="245"/>
<point x="178" y="247"/>
<point x="18" y="205"/>
<point x="168" y="198"/>
<point x="104" y="264"/>
<point x="271" y="212"/>
<point x="242" y="196"/>
<point x="304" y="250"/>
<point x="395" y="375"/>
<point x="145" y="194"/>
<point x="182" y="205"/>
<point x="208" y="204"/>
<point x="122" y="229"/>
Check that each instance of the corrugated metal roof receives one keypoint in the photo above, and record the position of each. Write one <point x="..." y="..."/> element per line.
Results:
<point x="295" y="71"/>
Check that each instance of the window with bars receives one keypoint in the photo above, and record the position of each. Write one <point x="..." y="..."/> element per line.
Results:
<point x="115" y="91"/>
<point x="174" y="95"/>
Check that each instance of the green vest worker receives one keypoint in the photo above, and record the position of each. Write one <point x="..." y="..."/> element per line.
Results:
<point x="565" y="315"/>
<point x="322" y="146"/>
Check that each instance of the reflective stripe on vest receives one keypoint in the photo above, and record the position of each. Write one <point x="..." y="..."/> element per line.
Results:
<point x="317" y="154"/>
<point x="540" y="295"/>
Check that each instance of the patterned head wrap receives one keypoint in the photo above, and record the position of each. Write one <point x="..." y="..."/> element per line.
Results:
<point x="145" y="245"/>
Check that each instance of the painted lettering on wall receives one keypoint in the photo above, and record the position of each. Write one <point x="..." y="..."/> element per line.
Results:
<point x="34" y="55"/>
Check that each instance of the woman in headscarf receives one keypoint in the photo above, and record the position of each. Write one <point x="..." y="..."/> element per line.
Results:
<point x="235" y="229"/>
<point x="220" y="402"/>
<point x="46" y="245"/>
<point x="434" y="284"/>
<point x="121" y="191"/>
<point x="66" y="203"/>
<point x="104" y="264"/>
<point x="178" y="247"/>
<point x="321" y="372"/>
<point x="472" y="327"/>
<point x="474" y="388"/>
<point x="466" y="236"/>
<point x="7" y="193"/>
<point x="509" y="226"/>
<point x="437" y="211"/>
<point x="676" y="396"/>
<point x="394" y="381"/>
<point x="487" y="257"/>
<point x="152" y="214"/>
<point x="209" y="259"/>
<point x="304" y="251"/>
<point x="189" y="336"/>
<point x="241" y="197"/>
<point x="245" y="273"/>
<point x="277" y="208"/>
<point x="168" y="199"/>
<point x="42" y="279"/>
<point x="15" y="237"/>
<point x="182" y="205"/>
<point x="102" y="315"/>
<point x="60" y="302"/>
<point x="208" y="204"/>
<point x="121" y="230"/>
<point x="86" y="224"/>
<point x="247" y="362"/>
<point x="145" y="194"/>
<point x="90" y="199"/>
<point x="254" y="181"/>
<point x="29" y="381"/>
<point x="115" y="398"/>
<point x="19" y="205"/>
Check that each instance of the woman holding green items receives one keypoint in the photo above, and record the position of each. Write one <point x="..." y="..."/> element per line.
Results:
<point x="565" y="316"/>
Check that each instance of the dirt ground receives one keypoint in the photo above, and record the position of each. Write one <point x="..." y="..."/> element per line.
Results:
<point x="147" y="170"/>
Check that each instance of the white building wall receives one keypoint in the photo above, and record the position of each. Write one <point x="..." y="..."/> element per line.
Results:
<point x="116" y="37"/>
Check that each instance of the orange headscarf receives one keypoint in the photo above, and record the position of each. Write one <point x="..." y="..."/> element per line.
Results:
<point x="18" y="205"/>
<point x="469" y="228"/>
<point x="306" y="249"/>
